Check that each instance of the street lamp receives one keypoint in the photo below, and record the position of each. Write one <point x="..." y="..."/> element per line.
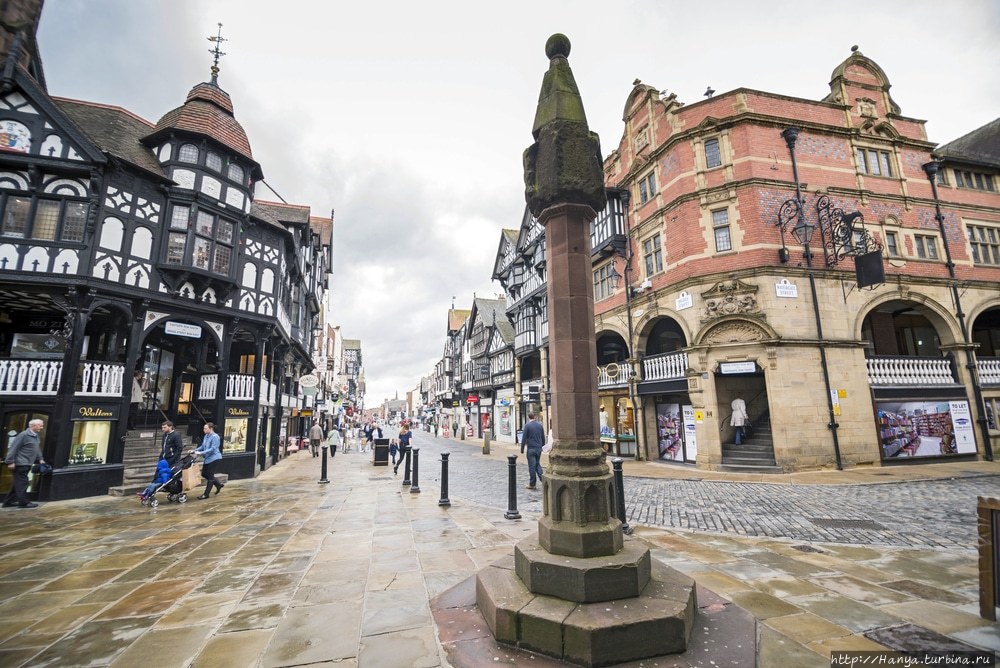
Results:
<point x="793" y="210"/>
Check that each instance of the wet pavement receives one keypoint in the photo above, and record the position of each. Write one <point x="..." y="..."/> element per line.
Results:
<point x="284" y="571"/>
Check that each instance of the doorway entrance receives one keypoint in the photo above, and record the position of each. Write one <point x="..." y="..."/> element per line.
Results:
<point x="171" y="369"/>
<point x="751" y="447"/>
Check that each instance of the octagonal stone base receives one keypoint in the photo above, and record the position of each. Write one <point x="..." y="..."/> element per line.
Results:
<point x="621" y="575"/>
<point x="658" y="621"/>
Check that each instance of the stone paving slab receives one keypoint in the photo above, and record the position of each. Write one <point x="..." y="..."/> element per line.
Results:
<point x="283" y="571"/>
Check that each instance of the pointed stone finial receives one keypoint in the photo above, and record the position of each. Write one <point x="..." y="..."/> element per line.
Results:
<point x="563" y="166"/>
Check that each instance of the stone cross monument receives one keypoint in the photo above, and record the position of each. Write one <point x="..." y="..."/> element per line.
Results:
<point x="580" y="591"/>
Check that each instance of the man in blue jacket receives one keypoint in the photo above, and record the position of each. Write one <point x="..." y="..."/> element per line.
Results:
<point x="210" y="451"/>
<point x="24" y="452"/>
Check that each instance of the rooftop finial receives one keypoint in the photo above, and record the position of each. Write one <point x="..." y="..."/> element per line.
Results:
<point x="218" y="39"/>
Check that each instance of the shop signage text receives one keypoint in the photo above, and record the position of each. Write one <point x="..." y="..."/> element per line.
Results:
<point x="472" y="399"/>
<point x="182" y="329"/>
<point x="727" y="368"/>
<point x="233" y="411"/>
<point x="785" y="289"/>
<point x="92" y="412"/>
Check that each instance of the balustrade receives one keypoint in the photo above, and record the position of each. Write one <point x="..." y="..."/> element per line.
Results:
<point x="989" y="370"/>
<point x="207" y="389"/>
<point x="619" y="374"/>
<point x="667" y="366"/>
<point x="42" y="377"/>
<point x="885" y="370"/>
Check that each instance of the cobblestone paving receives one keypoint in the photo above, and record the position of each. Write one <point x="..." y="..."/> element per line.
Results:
<point x="937" y="514"/>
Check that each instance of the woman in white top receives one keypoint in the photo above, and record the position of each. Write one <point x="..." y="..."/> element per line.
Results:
<point x="739" y="418"/>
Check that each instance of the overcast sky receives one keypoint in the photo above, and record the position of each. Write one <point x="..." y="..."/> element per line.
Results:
<point x="409" y="119"/>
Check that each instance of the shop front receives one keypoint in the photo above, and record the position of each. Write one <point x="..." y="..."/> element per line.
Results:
<point x="675" y="429"/>
<point x="82" y="466"/>
<point x="503" y="416"/>
<point x="921" y="429"/>
<point x="616" y="416"/>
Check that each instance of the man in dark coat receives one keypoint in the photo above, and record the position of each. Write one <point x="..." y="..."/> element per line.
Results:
<point x="532" y="441"/>
<point x="173" y="445"/>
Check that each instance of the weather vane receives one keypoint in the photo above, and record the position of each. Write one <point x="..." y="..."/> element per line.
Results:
<point x="218" y="39"/>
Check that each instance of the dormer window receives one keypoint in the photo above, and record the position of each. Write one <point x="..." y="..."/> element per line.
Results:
<point x="236" y="173"/>
<point x="214" y="162"/>
<point x="188" y="153"/>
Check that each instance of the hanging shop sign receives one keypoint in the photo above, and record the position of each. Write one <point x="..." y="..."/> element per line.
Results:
<point x="308" y="380"/>
<point x="472" y="399"/>
<point x="306" y="413"/>
<point x="734" y="368"/>
<point x="182" y="329"/>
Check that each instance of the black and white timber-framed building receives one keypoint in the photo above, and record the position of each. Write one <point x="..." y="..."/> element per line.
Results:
<point x="135" y="247"/>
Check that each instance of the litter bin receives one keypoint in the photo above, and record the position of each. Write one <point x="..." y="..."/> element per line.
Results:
<point x="381" y="452"/>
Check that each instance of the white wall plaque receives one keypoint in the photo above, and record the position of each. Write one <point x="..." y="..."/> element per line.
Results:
<point x="182" y="329"/>
<point x="786" y="290"/>
<point x="684" y="300"/>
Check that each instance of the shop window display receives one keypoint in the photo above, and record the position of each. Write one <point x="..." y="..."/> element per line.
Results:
<point x="90" y="443"/>
<point x="669" y="431"/>
<point x="925" y="429"/>
<point x="234" y="437"/>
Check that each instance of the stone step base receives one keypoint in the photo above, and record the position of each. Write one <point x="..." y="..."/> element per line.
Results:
<point x="750" y="468"/>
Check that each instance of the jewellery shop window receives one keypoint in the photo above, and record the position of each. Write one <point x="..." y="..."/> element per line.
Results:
<point x="90" y="443"/>
<point x="234" y="437"/>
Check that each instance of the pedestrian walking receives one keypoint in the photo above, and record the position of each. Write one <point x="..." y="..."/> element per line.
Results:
<point x="739" y="419"/>
<point x="532" y="442"/>
<point x="24" y="452"/>
<point x="333" y="439"/>
<point x="404" y="443"/>
<point x="209" y="449"/>
<point x="393" y="449"/>
<point x="315" y="438"/>
<point x="136" y="401"/>
<point x="173" y="445"/>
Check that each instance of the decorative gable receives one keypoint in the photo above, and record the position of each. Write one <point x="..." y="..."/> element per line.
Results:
<point x="25" y="129"/>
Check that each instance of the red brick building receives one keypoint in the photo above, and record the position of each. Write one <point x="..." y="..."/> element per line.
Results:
<point x="720" y="301"/>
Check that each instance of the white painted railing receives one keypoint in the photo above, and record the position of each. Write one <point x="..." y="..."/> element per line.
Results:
<point x="207" y="386"/>
<point x="239" y="387"/>
<point x="667" y="366"/>
<point x="42" y="377"/>
<point x="989" y="370"/>
<point x="100" y="379"/>
<point x="616" y="373"/>
<point x="909" y="371"/>
<point x="30" y="376"/>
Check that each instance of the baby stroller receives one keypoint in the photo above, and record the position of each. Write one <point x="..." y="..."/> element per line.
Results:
<point x="173" y="487"/>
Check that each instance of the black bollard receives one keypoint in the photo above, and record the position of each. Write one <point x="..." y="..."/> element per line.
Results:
<point x="415" y="485"/>
<point x="406" y="468"/>
<point x="616" y="464"/>
<point x="444" y="480"/>
<point x="322" y="475"/>
<point x="512" y="513"/>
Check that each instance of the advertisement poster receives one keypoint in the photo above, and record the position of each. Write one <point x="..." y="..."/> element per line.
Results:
<point x="690" y="440"/>
<point x="925" y="429"/>
<point x="669" y="432"/>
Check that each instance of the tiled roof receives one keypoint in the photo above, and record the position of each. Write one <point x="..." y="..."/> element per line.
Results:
<point x="506" y="329"/>
<point x="292" y="214"/>
<point x="490" y="310"/>
<point x="113" y="129"/>
<point x="323" y="227"/>
<point x="353" y="344"/>
<point x="457" y="317"/>
<point x="208" y="110"/>
<point x="981" y="146"/>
